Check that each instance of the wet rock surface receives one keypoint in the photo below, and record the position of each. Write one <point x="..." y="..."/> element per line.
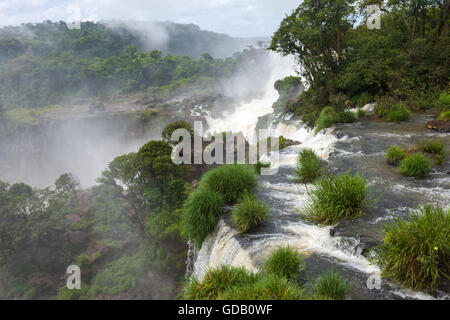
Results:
<point x="439" y="125"/>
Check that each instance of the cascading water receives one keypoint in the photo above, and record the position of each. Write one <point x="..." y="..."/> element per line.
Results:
<point x="286" y="227"/>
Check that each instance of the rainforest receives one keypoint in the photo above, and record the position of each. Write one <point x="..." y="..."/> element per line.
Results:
<point x="336" y="118"/>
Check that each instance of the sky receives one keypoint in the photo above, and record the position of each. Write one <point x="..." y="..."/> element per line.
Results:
<point x="238" y="18"/>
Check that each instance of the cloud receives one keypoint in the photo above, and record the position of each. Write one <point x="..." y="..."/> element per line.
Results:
<point x="242" y="18"/>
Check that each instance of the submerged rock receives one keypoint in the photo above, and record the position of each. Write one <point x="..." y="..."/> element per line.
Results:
<point x="439" y="125"/>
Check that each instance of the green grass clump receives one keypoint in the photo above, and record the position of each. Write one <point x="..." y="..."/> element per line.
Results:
<point x="217" y="281"/>
<point x="398" y="113"/>
<point x="395" y="154"/>
<point x="415" y="165"/>
<point x="334" y="198"/>
<point x="361" y="113"/>
<point x="201" y="212"/>
<point x="361" y="100"/>
<point x="231" y="181"/>
<point x="444" y="116"/>
<point x="444" y="100"/>
<point x="309" y="166"/>
<point x="345" y="117"/>
<point x="284" y="262"/>
<point x="326" y="119"/>
<point x="268" y="287"/>
<point x="259" y="165"/>
<point x="331" y="286"/>
<point x="431" y="146"/>
<point x="416" y="252"/>
<point x="249" y="213"/>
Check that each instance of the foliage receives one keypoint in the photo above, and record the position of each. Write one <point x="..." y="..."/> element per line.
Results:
<point x="361" y="113"/>
<point x="268" y="287"/>
<point x="331" y="286"/>
<point x="431" y="146"/>
<point x="337" y="197"/>
<point x="398" y="113"/>
<point x="395" y="154"/>
<point x="230" y="181"/>
<point x="444" y="116"/>
<point x="361" y="99"/>
<point x="415" y="165"/>
<point x="416" y="251"/>
<point x="345" y="117"/>
<point x="201" y="213"/>
<point x="170" y="128"/>
<point x="284" y="262"/>
<point x="249" y="213"/>
<point x="326" y="119"/>
<point x="309" y="167"/>
<point x="215" y="281"/>
<point x="340" y="56"/>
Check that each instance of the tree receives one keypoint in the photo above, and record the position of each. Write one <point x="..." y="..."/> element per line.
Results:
<point x="170" y="128"/>
<point x="67" y="182"/>
<point x="315" y="34"/>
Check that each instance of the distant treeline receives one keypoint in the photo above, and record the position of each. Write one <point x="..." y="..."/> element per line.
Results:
<point x="46" y="63"/>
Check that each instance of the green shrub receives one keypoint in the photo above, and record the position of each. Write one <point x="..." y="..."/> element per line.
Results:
<point x="345" y="117"/>
<point x="259" y="165"/>
<point x="249" y="213"/>
<point x="361" y="113"/>
<point x="326" y="119"/>
<point x="335" y="198"/>
<point x="284" y="262"/>
<point x="331" y="286"/>
<point x="201" y="212"/>
<point x="444" y="100"/>
<point x="444" y="116"/>
<point x="309" y="166"/>
<point x="361" y="99"/>
<point x="231" y="181"/>
<point x="431" y="146"/>
<point x="415" y="165"/>
<point x="398" y="113"/>
<point x="395" y="154"/>
<point x="416" y="252"/>
<point x="268" y="287"/>
<point x="215" y="282"/>
<point x="170" y="128"/>
<point x="440" y="158"/>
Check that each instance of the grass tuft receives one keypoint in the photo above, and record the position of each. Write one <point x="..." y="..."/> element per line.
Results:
<point x="415" y="165"/>
<point x="416" y="252"/>
<point x="215" y="282"/>
<point x="331" y="286"/>
<point x="345" y="117"/>
<point x="284" y="262"/>
<point x="326" y="119"/>
<point x="231" y="181"/>
<point x="395" y="154"/>
<point x="201" y="212"/>
<point x="444" y="116"/>
<point x="249" y="213"/>
<point x="268" y="287"/>
<point x="398" y="113"/>
<point x="431" y="146"/>
<point x="334" y="198"/>
<point x="309" y="166"/>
